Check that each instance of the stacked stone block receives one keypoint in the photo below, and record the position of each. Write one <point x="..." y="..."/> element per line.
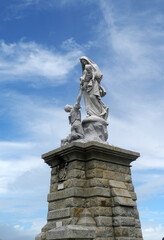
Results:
<point x="91" y="194"/>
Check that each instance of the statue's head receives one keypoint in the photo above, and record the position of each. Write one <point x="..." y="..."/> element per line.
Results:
<point x="83" y="61"/>
<point x="68" y="108"/>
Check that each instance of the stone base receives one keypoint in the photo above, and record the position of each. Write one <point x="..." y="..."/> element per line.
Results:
<point x="71" y="232"/>
<point x="91" y="194"/>
<point x="41" y="236"/>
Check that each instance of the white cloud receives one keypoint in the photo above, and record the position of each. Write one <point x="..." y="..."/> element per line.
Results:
<point x="42" y="128"/>
<point x="153" y="187"/>
<point x="18" y="232"/>
<point x="134" y="52"/>
<point x="10" y="170"/>
<point x="133" y="76"/>
<point x="18" y="227"/>
<point x="19" y="9"/>
<point x="24" y="177"/>
<point x="152" y="224"/>
<point x="140" y="131"/>
<point x="36" y="224"/>
<point x="24" y="60"/>
<point x="153" y="233"/>
<point x="14" y="233"/>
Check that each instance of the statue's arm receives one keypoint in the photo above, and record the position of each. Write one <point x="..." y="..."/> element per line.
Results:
<point x="82" y="79"/>
<point x="77" y="104"/>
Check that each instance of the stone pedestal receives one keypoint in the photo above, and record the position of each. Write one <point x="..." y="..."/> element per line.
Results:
<point x="91" y="194"/>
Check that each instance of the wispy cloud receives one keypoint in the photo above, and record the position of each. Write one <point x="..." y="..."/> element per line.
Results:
<point x="136" y="48"/>
<point x="42" y="127"/>
<point x="133" y="74"/>
<point x="152" y="233"/>
<point x="16" y="233"/>
<point x="24" y="60"/>
<point x="151" y="188"/>
<point x="151" y="223"/>
<point x="19" y="9"/>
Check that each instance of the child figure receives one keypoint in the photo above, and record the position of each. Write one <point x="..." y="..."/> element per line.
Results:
<point x="75" y="121"/>
<point x="86" y="81"/>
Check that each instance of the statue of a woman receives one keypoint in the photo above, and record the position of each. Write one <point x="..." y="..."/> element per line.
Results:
<point x="91" y="89"/>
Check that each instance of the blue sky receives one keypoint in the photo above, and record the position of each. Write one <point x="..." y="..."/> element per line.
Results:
<point x="40" y="46"/>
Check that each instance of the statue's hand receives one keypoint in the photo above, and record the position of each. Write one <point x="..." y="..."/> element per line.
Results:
<point x="81" y="80"/>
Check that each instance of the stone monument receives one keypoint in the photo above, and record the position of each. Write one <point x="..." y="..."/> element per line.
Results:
<point x="91" y="192"/>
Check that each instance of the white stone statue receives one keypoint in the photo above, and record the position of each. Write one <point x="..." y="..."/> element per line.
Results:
<point x="91" y="89"/>
<point x="94" y="126"/>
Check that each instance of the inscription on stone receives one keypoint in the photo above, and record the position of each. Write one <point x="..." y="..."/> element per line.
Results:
<point x="60" y="186"/>
<point x="59" y="224"/>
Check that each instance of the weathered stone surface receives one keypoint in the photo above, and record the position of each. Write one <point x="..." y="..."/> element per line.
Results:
<point x="56" y="205"/>
<point x="133" y="196"/>
<point x="123" y="169"/>
<point x="137" y="223"/>
<point x="103" y="221"/>
<point x="75" y="202"/>
<point x="97" y="164"/>
<point x="104" y="232"/>
<point x="86" y="219"/>
<point x="54" y="179"/>
<point x="123" y="231"/>
<point x="75" y="173"/>
<point x="120" y="192"/>
<point x="117" y="176"/>
<point x="66" y="193"/>
<point x="136" y="213"/>
<point x="130" y="187"/>
<point x="124" y="201"/>
<point x="54" y="171"/>
<point x="89" y="151"/>
<point x="109" y="174"/>
<point x="98" y="182"/>
<point x="125" y="238"/>
<point x="117" y="184"/>
<point x="70" y="202"/>
<point x="97" y="191"/>
<point x="94" y="173"/>
<point x="41" y="236"/>
<point x="62" y="222"/>
<point x="79" y="192"/>
<point x="123" y="177"/>
<point x="110" y="166"/>
<point x="72" y="183"/>
<point x="101" y="211"/>
<point x="60" y="213"/>
<point x="98" y="201"/>
<point x="71" y="232"/>
<point x="138" y="233"/>
<point x="76" y="165"/>
<point x="53" y="187"/>
<point x="123" y="221"/>
<point x="128" y="179"/>
<point x="107" y="238"/>
<point x="123" y="211"/>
